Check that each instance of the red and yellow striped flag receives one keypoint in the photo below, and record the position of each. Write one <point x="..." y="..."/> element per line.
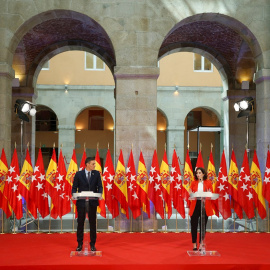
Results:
<point x="188" y="177"/>
<point x="101" y="208"/>
<point x="233" y="178"/>
<point x="211" y="175"/>
<point x="25" y="183"/>
<point x="165" y="183"/>
<point x="256" y="183"/>
<point x="120" y="185"/>
<point x="142" y="182"/>
<point x="50" y="174"/>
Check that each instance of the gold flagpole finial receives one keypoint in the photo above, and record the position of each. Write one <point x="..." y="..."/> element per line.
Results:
<point x="165" y="147"/>
<point x="54" y="145"/>
<point x="39" y="144"/>
<point x="132" y="146"/>
<point x="15" y="145"/>
<point x="98" y="146"/>
<point x="61" y="145"/>
<point x="200" y="146"/>
<point x="84" y="146"/>
<point x="28" y="145"/>
<point x="188" y="146"/>
<point x="211" y="147"/>
<point x="108" y="145"/>
<point x="268" y="146"/>
<point x="174" y="146"/>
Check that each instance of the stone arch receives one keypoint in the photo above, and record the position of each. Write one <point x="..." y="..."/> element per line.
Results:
<point x="164" y="115"/>
<point x="42" y="59"/>
<point x="229" y="41"/>
<point x="62" y="28"/>
<point x="95" y="106"/>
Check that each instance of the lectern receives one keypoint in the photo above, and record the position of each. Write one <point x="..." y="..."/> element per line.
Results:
<point x="203" y="196"/>
<point x="86" y="195"/>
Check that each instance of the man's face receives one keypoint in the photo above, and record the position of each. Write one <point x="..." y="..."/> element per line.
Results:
<point x="90" y="165"/>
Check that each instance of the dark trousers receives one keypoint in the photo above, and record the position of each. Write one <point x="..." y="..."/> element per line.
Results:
<point x="195" y="219"/>
<point x="92" y="213"/>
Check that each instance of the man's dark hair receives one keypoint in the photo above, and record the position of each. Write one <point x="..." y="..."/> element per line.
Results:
<point x="88" y="159"/>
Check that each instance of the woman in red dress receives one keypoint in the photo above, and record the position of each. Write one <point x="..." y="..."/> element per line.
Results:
<point x="202" y="184"/>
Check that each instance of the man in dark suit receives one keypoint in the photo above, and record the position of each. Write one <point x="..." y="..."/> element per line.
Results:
<point x="87" y="180"/>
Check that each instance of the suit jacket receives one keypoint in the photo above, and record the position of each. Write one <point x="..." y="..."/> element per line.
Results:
<point x="207" y="186"/>
<point x="80" y="184"/>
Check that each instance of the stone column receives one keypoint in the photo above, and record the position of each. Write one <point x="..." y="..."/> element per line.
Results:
<point x="136" y="124"/>
<point x="136" y="112"/>
<point x="6" y="77"/>
<point x="175" y="140"/>
<point x="67" y="139"/>
<point x="262" y="81"/>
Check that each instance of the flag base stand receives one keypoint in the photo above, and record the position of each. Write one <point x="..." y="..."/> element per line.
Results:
<point x="86" y="253"/>
<point x="202" y="252"/>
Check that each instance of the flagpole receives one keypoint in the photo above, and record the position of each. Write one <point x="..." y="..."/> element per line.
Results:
<point x="142" y="221"/>
<point x="38" y="223"/>
<point x="26" y="211"/>
<point x="2" y="221"/>
<point x="268" y="218"/>
<point x="61" y="224"/>
<point x="14" y="224"/>
<point x="257" y="226"/>
<point x="176" y="221"/>
<point x="73" y="216"/>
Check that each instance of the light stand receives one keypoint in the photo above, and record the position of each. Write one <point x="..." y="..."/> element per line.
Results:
<point x="22" y="108"/>
<point x="246" y="108"/>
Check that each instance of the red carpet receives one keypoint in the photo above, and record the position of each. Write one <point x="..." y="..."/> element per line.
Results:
<point x="135" y="251"/>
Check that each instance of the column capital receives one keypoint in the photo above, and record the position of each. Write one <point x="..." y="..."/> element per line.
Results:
<point x="7" y="71"/>
<point x="176" y="128"/>
<point x="133" y="73"/>
<point x="66" y="127"/>
<point x="262" y="75"/>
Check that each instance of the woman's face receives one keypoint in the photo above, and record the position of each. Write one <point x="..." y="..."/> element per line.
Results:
<point x="199" y="174"/>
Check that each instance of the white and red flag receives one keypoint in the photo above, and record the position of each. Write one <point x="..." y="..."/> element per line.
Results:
<point x="133" y="199"/>
<point x="223" y="202"/>
<point x="176" y="186"/>
<point x="11" y="190"/>
<point x="108" y="183"/>
<point x="266" y="181"/>
<point x="37" y="189"/>
<point x="3" y="174"/>
<point x="245" y="194"/>
<point x="101" y="208"/>
<point x="154" y="186"/>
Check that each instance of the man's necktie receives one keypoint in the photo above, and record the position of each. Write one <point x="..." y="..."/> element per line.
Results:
<point x="88" y="178"/>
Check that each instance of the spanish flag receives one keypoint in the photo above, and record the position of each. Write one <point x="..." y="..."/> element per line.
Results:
<point x="165" y="182"/>
<point x="188" y="177"/>
<point x="233" y="178"/>
<point x="256" y="183"/>
<point x="50" y="174"/>
<point x="120" y="185"/>
<point x="25" y="183"/>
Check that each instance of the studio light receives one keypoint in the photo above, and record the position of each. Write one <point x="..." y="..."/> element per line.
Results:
<point x="245" y="106"/>
<point x="22" y="108"/>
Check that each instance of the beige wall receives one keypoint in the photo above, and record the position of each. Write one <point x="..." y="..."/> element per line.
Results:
<point x="175" y="69"/>
<point x="68" y="68"/>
